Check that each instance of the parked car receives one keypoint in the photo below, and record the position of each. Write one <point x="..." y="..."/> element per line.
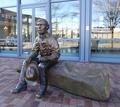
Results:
<point x="11" y="41"/>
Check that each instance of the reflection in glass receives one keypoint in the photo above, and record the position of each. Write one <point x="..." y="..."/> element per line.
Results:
<point x="8" y="32"/>
<point x="27" y="30"/>
<point x="32" y="1"/>
<point x="65" y="26"/>
<point x="105" y="37"/>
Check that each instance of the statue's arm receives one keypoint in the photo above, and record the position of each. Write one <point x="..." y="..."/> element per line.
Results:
<point x="34" y="53"/>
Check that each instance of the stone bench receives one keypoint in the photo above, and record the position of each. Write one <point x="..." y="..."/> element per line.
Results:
<point x="84" y="79"/>
<point x="80" y="79"/>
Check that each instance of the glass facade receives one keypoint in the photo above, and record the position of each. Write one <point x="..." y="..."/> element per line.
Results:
<point x="105" y="27"/>
<point x="65" y="26"/>
<point x="87" y="30"/>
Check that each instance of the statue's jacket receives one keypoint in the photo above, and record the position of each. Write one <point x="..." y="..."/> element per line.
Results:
<point x="47" y="47"/>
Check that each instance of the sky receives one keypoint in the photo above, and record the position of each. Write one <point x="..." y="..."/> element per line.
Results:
<point x="14" y="2"/>
<point x="8" y="3"/>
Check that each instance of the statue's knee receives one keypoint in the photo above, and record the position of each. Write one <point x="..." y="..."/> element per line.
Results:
<point x="24" y="62"/>
<point x="41" y="65"/>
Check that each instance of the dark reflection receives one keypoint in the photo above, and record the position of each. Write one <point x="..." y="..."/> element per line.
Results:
<point x="8" y="30"/>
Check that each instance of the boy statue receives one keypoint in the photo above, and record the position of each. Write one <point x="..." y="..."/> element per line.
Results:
<point x="47" y="48"/>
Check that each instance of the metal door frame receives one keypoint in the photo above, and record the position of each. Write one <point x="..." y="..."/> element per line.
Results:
<point x="33" y="7"/>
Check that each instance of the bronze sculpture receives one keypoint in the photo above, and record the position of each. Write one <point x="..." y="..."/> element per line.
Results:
<point x="45" y="53"/>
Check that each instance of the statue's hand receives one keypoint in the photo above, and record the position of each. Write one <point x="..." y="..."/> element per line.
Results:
<point x="33" y="55"/>
<point x="28" y="60"/>
<point x="46" y="50"/>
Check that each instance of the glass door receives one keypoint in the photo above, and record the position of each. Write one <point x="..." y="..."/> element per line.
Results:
<point x="29" y="32"/>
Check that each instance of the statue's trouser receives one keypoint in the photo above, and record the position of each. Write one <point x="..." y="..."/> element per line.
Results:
<point x="43" y="79"/>
<point x="22" y="73"/>
<point x="43" y="66"/>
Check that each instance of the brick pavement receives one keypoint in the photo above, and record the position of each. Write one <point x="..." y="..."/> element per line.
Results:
<point x="54" y="97"/>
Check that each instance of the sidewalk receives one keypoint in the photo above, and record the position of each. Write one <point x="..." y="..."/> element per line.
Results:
<point x="54" y="97"/>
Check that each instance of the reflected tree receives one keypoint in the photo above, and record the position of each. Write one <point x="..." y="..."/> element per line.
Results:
<point x="64" y="19"/>
<point x="55" y="9"/>
<point x="111" y="12"/>
<point x="58" y="15"/>
<point x="62" y="16"/>
<point x="73" y="15"/>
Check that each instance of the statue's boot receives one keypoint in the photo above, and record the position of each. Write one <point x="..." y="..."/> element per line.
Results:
<point x="43" y="83"/>
<point x="42" y="91"/>
<point x="21" y="86"/>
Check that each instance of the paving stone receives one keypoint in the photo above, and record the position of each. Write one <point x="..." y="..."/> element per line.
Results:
<point x="66" y="100"/>
<point x="73" y="102"/>
<point x="88" y="104"/>
<point x="43" y="104"/>
<point x="95" y="104"/>
<point x="111" y="105"/>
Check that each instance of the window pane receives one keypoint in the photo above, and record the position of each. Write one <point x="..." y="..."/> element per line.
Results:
<point x="4" y="3"/>
<point x="32" y="1"/>
<point x="65" y="26"/>
<point x="27" y="30"/>
<point x="105" y="27"/>
<point x="8" y="30"/>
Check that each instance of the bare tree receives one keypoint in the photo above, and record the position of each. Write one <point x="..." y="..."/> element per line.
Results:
<point x="73" y="15"/>
<point x="55" y="22"/>
<point x="111" y="11"/>
<point x="62" y="16"/>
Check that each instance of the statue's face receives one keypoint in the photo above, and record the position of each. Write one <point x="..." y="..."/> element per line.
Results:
<point x="41" y="26"/>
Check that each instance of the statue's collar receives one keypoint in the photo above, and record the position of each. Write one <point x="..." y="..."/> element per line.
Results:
<point x="43" y="36"/>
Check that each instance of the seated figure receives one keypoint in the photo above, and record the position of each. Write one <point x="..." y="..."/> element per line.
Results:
<point x="45" y="53"/>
